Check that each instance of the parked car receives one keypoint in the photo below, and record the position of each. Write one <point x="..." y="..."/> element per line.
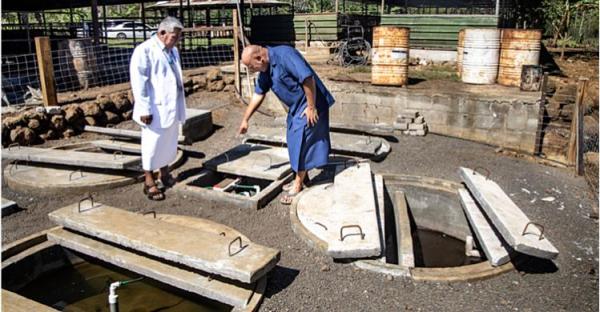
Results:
<point x="126" y="30"/>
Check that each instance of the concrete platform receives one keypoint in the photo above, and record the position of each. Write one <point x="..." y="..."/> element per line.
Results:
<point x="115" y="145"/>
<point x="122" y="133"/>
<point x="341" y="143"/>
<point x="231" y="258"/>
<point x="344" y="219"/>
<point x="198" y="125"/>
<point x="73" y="158"/>
<point x="508" y="219"/>
<point x="406" y="257"/>
<point x="490" y="243"/>
<point x="252" y="160"/>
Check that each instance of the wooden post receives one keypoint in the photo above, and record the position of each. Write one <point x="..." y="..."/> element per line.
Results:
<point x="538" y="135"/>
<point x="95" y="24"/>
<point x="306" y="34"/>
<point x="575" y="152"/>
<point x="44" y="59"/>
<point x="236" y="52"/>
<point x="382" y="7"/>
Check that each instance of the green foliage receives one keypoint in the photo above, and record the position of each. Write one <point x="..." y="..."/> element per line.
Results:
<point x="571" y="22"/>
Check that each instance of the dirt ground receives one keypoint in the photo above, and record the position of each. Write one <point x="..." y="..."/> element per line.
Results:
<point x="306" y="280"/>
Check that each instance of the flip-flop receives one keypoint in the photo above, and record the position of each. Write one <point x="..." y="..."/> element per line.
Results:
<point x="288" y="186"/>
<point x="288" y="198"/>
<point x="157" y="195"/>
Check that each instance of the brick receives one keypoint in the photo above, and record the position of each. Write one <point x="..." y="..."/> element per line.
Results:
<point x="400" y="119"/>
<point x="414" y="126"/>
<point x="400" y="126"/>
<point x="419" y="120"/>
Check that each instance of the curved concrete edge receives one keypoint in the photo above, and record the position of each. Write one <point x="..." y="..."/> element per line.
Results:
<point x="473" y="272"/>
<point x="304" y="234"/>
<point x="28" y="185"/>
<point x="384" y="268"/>
<point x="382" y="151"/>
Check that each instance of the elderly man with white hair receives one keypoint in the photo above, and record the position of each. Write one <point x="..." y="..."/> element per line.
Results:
<point x="159" y="102"/>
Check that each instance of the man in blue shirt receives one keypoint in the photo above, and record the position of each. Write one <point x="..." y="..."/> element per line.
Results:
<point x="283" y="70"/>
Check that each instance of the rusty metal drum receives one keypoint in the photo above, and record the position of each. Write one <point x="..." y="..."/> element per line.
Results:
<point x="390" y="56"/>
<point x="459" y="51"/>
<point x="480" y="55"/>
<point x="518" y="47"/>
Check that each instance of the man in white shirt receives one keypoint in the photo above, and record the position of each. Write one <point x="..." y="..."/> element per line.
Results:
<point x="159" y="102"/>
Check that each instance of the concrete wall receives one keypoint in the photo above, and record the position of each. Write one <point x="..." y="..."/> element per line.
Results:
<point x="494" y="115"/>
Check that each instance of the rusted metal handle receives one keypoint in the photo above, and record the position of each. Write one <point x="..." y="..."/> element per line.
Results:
<point x="223" y="234"/>
<point x="117" y="153"/>
<point x="226" y="156"/>
<point x="239" y="239"/>
<point x="539" y="226"/>
<point x="150" y="212"/>
<point x="362" y="235"/>
<point x="487" y="177"/>
<point x="13" y="145"/>
<point x="321" y="224"/>
<point x="90" y="198"/>
<point x="13" y="165"/>
<point x="71" y="174"/>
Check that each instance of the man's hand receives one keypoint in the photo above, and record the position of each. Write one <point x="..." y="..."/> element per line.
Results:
<point x="311" y="115"/>
<point x="243" y="127"/>
<point x="146" y="119"/>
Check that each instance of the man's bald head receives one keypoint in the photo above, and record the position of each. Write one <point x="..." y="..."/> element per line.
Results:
<point x="256" y="58"/>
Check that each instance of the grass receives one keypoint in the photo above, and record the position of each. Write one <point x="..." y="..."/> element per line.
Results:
<point x="189" y="43"/>
<point x="434" y="72"/>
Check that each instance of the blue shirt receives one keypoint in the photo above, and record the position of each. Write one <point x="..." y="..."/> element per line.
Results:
<point x="287" y="71"/>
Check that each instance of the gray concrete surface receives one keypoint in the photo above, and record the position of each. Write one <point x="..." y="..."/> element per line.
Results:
<point x="253" y="160"/>
<point x="307" y="280"/>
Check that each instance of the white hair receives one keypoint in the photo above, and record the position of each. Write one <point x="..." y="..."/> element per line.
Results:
<point x="169" y="24"/>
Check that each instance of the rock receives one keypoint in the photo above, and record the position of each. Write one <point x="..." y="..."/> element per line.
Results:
<point x="229" y="88"/>
<point x="91" y="121"/>
<point x="188" y="81"/>
<point x="105" y="103"/>
<point x="112" y="118"/>
<point x="325" y="268"/>
<point x="73" y="113"/>
<point x="52" y="110"/>
<point x="130" y="97"/>
<point x="200" y="81"/>
<point x="33" y="114"/>
<point x="91" y="109"/>
<point x="229" y="79"/>
<point x="216" y="86"/>
<point x="22" y="135"/>
<point x="58" y="122"/>
<point x="49" y="135"/>
<point x="590" y="125"/>
<point x="213" y="74"/>
<point x="34" y="125"/>
<point x="5" y="135"/>
<point x="121" y="101"/>
<point x="13" y="122"/>
<point x="127" y="115"/>
<point x="69" y="132"/>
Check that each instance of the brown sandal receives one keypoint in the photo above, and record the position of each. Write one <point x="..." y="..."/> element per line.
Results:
<point x="153" y="195"/>
<point x="167" y="182"/>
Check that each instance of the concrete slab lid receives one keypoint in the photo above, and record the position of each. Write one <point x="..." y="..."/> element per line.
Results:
<point x="231" y="258"/>
<point x="229" y="293"/>
<point x="72" y="158"/>
<point x="192" y="113"/>
<point x="490" y="243"/>
<point x="340" y="142"/>
<point x="15" y="303"/>
<point x="253" y="160"/>
<point x="121" y="133"/>
<point x="114" y="145"/>
<point x="8" y="204"/>
<point x="510" y="221"/>
<point x="344" y="210"/>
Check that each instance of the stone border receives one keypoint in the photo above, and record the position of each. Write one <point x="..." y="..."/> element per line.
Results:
<point x="27" y="185"/>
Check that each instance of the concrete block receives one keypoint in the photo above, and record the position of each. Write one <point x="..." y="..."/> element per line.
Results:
<point x="406" y="256"/>
<point x="8" y="207"/>
<point x="17" y="303"/>
<point x="487" y="122"/>
<point x="400" y="126"/>
<point x="507" y="217"/>
<point x="407" y="115"/>
<point x="198" y="125"/>
<point x="516" y="120"/>
<point x="490" y="243"/>
<point x="418" y="132"/>
<point x="415" y="126"/>
<point x="400" y="119"/>
<point x="258" y="161"/>
<point x="419" y="120"/>
<point x="418" y="102"/>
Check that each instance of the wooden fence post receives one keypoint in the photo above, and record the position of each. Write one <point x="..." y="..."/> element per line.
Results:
<point x="236" y="52"/>
<point x="46" y="69"/>
<point x="575" y="153"/>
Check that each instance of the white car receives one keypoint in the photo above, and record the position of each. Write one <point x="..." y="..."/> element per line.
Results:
<point x="126" y="31"/>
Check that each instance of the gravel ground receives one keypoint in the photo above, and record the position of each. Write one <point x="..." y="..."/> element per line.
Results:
<point x="309" y="281"/>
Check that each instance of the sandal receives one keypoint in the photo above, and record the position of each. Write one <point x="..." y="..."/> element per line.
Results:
<point x="153" y="195"/>
<point x="288" y="198"/>
<point x="288" y="186"/>
<point x="166" y="183"/>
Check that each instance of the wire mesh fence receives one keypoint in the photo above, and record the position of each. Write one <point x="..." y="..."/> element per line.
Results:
<point x="78" y="64"/>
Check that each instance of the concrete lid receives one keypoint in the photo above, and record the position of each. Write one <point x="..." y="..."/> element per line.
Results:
<point x="343" y="214"/>
<point x="252" y="160"/>
<point x="507" y="217"/>
<point x="16" y="303"/>
<point x="73" y="158"/>
<point x="231" y="258"/>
